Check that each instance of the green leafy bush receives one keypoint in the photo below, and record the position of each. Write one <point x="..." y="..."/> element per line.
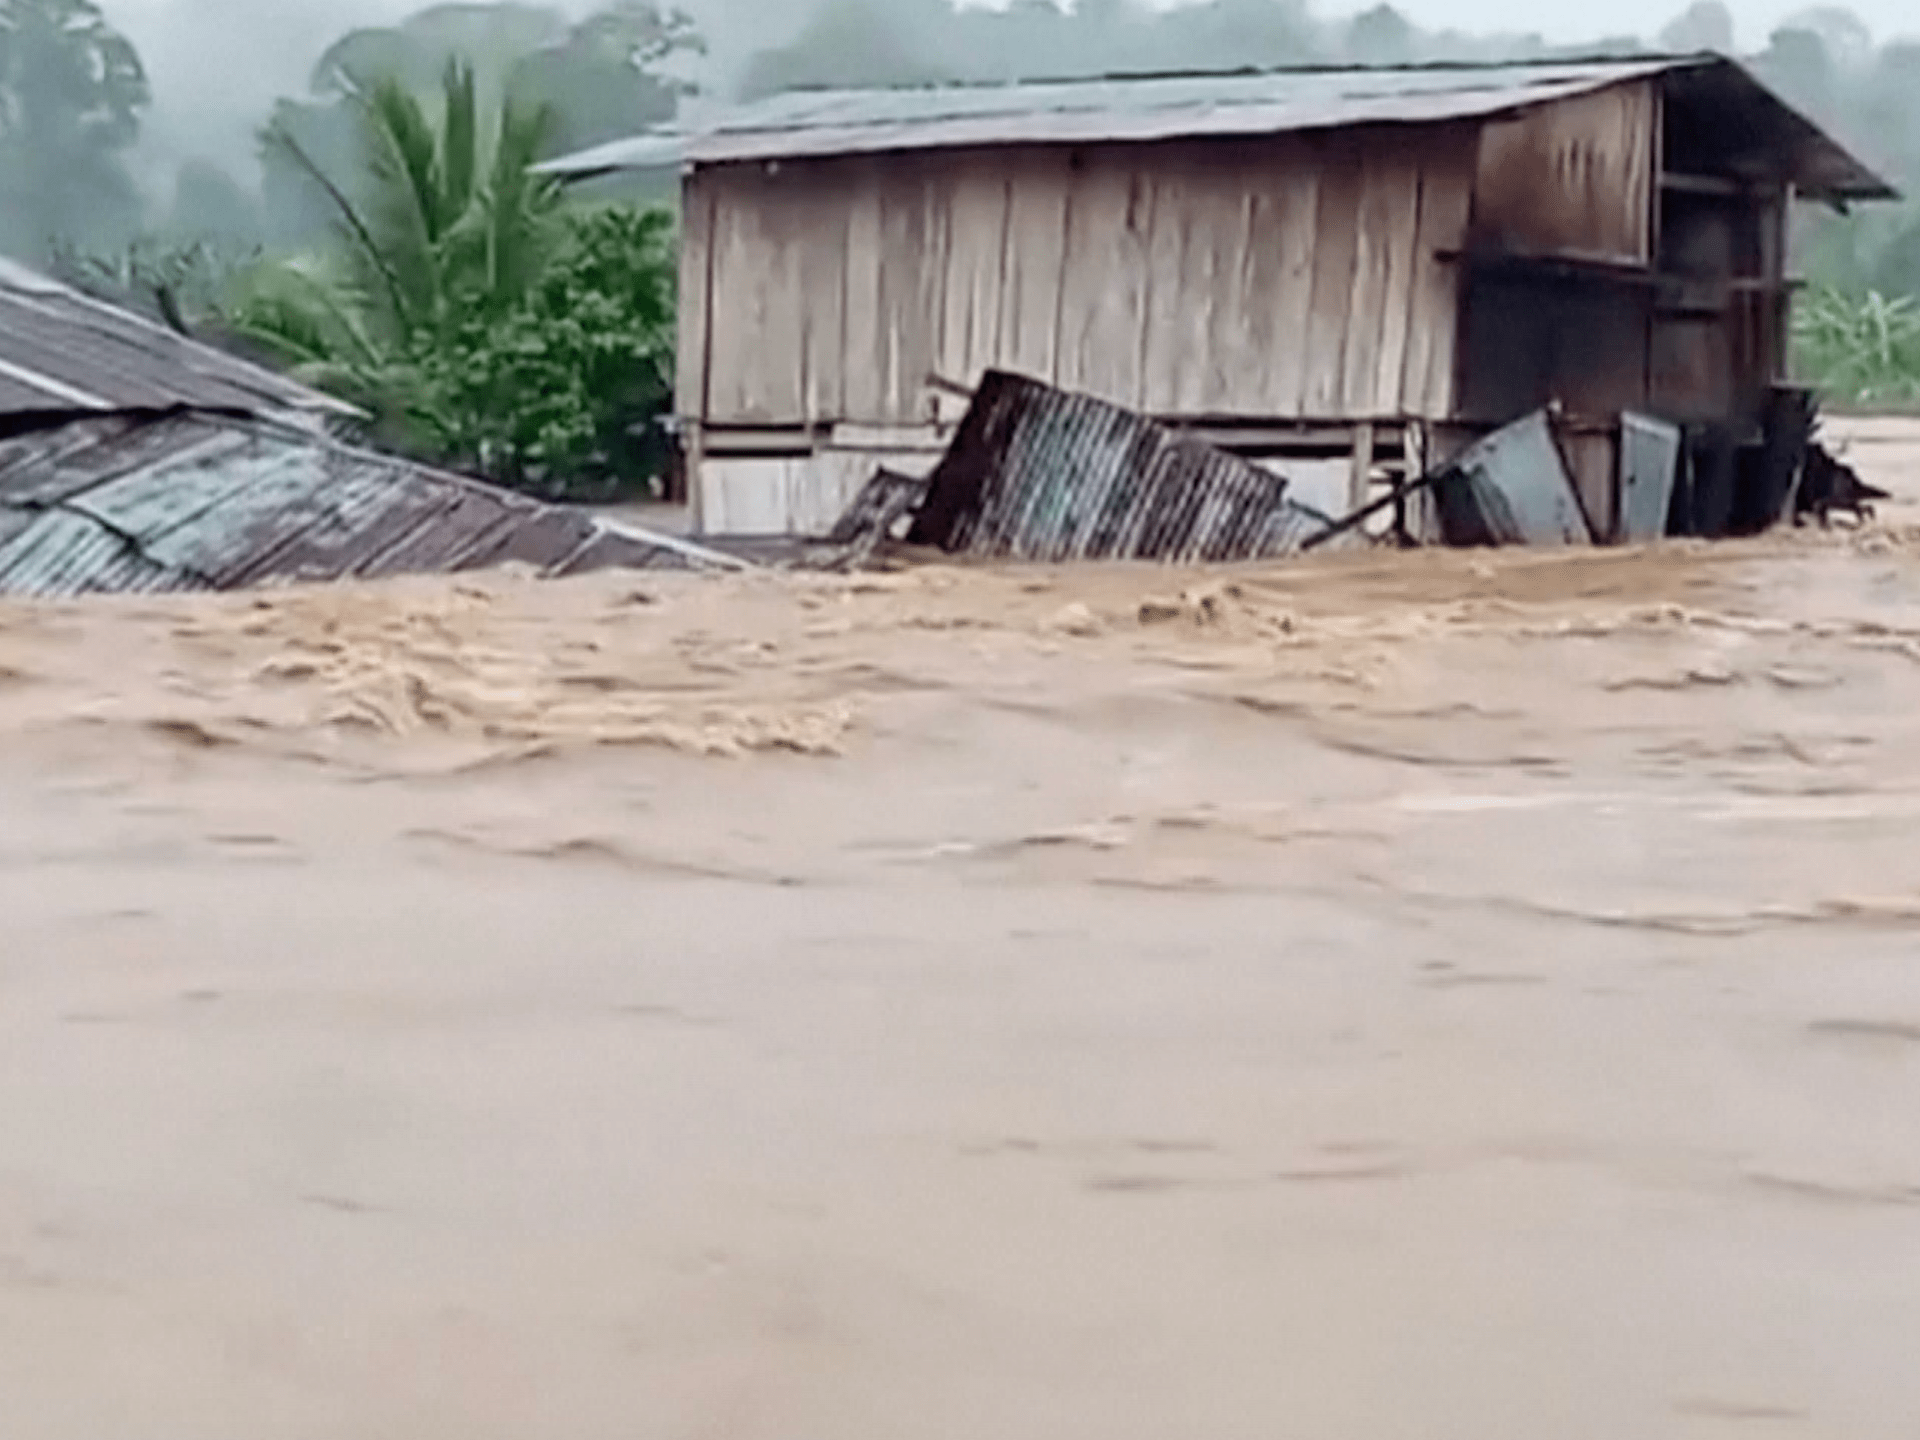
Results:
<point x="480" y="321"/>
<point x="1861" y="350"/>
<point x="562" y="392"/>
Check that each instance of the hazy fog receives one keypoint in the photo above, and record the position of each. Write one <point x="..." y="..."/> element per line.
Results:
<point x="217" y="65"/>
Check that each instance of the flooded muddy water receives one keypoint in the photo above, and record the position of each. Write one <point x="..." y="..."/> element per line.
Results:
<point x="1393" y="996"/>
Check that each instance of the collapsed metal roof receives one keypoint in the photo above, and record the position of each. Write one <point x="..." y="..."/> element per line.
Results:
<point x="1036" y="473"/>
<point x="818" y="123"/>
<point x="64" y="352"/>
<point x="188" y="500"/>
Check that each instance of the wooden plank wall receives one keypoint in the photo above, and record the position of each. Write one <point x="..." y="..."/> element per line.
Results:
<point x="1285" y="278"/>
<point x="1574" y="178"/>
<point x="694" y="299"/>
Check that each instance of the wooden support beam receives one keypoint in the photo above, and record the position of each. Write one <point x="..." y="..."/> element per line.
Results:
<point x="1361" y="481"/>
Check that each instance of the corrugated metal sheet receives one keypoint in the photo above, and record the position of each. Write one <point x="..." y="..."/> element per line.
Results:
<point x="1649" y="461"/>
<point x="1160" y="107"/>
<point x="1512" y="488"/>
<point x="194" y="501"/>
<point x="1036" y="473"/>
<point x="64" y="351"/>
<point x="840" y="122"/>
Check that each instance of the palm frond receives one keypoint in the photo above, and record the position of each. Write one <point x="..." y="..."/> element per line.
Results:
<point x="303" y="314"/>
<point x="520" y="204"/>
<point x="460" y="141"/>
<point x="360" y="237"/>
<point x="408" y="207"/>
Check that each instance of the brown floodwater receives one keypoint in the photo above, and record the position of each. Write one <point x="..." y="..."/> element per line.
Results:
<point x="1384" y="996"/>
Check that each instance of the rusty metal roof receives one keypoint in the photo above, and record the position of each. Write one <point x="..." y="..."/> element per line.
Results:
<point x="63" y="351"/>
<point x="189" y="500"/>
<point x="816" y="123"/>
<point x="1036" y="473"/>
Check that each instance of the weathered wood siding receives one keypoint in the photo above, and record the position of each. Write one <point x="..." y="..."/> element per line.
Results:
<point x="1574" y="178"/>
<point x="1289" y="278"/>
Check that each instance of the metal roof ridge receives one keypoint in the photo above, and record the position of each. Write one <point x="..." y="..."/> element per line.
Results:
<point x="1656" y="59"/>
<point x="198" y="357"/>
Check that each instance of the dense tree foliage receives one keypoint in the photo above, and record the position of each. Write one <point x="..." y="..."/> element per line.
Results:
<point x="478" y="320"/>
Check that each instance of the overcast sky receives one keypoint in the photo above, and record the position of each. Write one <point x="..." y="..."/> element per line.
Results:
<point x="1561" y="21"/>
<point x="217" y="65"/>
<point x="302" y="23"/>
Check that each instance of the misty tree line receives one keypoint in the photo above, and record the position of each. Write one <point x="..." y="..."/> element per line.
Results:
<point x="393" y="244"/>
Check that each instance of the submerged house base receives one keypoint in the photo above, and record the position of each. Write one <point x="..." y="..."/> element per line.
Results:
<point x="1037" y="473"/>
<point x="1351" y="275"/>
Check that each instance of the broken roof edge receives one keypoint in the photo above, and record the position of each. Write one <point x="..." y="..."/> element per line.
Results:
<point x="193" y="498"/>
<point x="820" y="123"/>
<point x="295" y="397"/>
<point x="1861" y="182"/>
<point x="290" y="427"/>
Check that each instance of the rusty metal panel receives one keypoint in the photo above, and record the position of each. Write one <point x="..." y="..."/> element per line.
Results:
<point x="44" y="466"/>
<point x="60" y="554"/>
<point x="1571" y="178"/>
<point x="1036" y="473"/>
<point x="213" y="501"/>
<point x="312" y="519"/>
<point x="168" y="478"/>
<point x="1649" y="461"/>
<point x="441" y="539"/>
<point x="1512" y="488"/>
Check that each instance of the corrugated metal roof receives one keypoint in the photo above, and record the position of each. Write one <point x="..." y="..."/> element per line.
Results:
<point x="61" y="350"/>
<point x="197" y="501"/>
<point x="1035" y="473"/>
<point x="1163" y="107"/>
<point x="831" y="122"/>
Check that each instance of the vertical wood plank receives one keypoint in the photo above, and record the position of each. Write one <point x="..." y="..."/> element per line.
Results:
<point x="921" y="350"/>
<point x="863" y="364"/>
<point x="739" y="286"/>
<point x="1389" y="212"/>
<point x="1278" y="263"/>
<point x="1433" y="327"/>
<point x="1202" y="351"/>
<point x="976" y="238"/>
<point x="695" y="299"/>
<point x="1036" y="245"/>
<point x="823" y="299"/>
<point x="1360" y="478"/>
<point x="1103" y="298"/>
<point x="1164" y="346"/>
<point x="1213" y="273"/>
<point x="777" y="379"/>
<point x="755" y="332"/>
<point x="1337" y="246"/>
<point x="1376" y="390"/>
<point x="1572" y="177"/>
<point x="904" y="332"/>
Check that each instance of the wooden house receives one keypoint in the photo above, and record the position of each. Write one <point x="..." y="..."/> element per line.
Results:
<point x="1359" y="270"/>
